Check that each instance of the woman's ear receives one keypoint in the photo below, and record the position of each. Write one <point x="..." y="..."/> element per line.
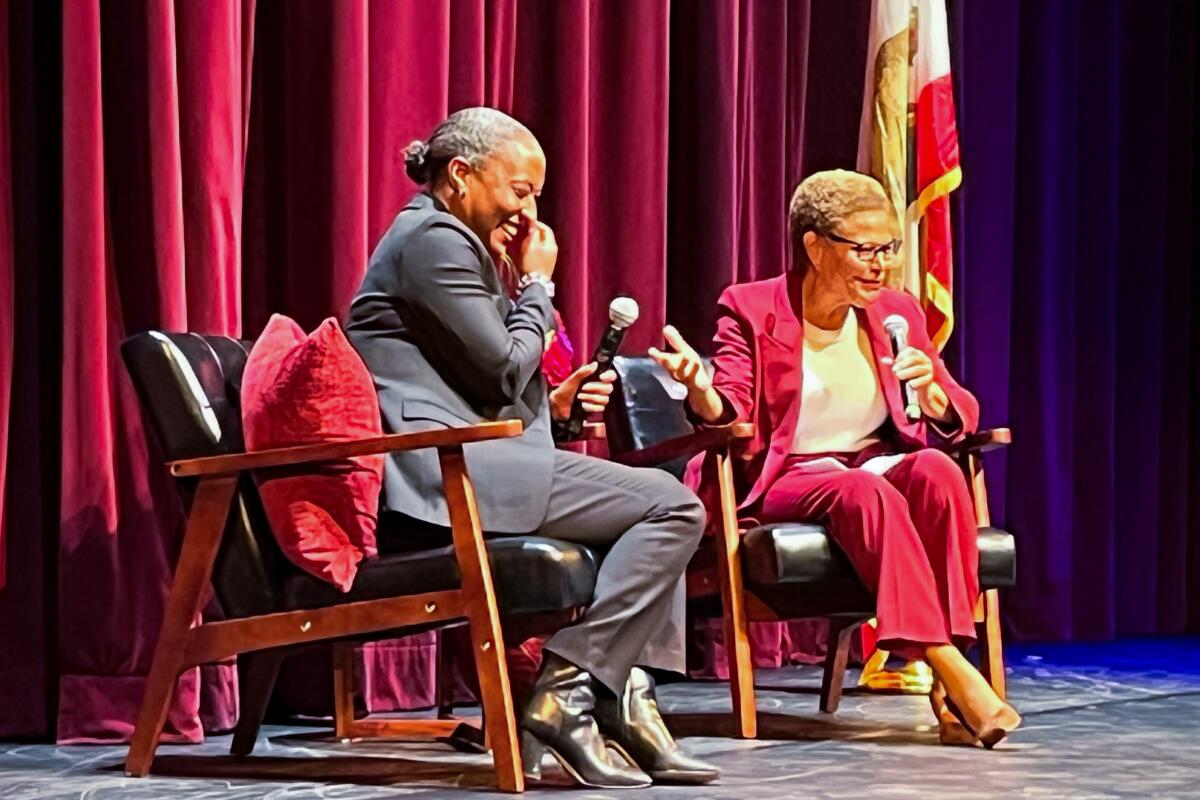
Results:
<point x="811" y="250"/>
<point x="456" y="174"/>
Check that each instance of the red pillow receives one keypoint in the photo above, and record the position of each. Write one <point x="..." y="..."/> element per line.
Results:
<point x="300" y="389"/>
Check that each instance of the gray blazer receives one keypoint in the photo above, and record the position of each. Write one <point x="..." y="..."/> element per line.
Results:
<point x="447" y="347"/>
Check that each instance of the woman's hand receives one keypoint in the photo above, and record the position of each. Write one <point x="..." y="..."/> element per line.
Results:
<point x="593" y="394"/>
<point x="538" y="253"/>
<point x="530" y="245"/>
<point x="685" y="366"/>
<point x="916" y="368"/>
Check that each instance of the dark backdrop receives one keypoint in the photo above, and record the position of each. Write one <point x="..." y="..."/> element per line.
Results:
<point x="200" y="165"/>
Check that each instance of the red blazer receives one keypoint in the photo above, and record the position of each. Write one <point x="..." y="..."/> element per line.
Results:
<point x="758" y="374"/>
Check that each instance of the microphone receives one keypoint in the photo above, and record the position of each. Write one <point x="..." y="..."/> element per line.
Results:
<point x="622" y="312"/>
<point x="897" y="328"/>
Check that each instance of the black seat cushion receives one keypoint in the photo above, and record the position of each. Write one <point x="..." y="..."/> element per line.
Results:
<point x="531" y="575"/>
<point x="797" y="554"/>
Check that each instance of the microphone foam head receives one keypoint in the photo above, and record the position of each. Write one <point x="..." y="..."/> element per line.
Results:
<point x="896" y="325"/>
<point x="622" y="312"/>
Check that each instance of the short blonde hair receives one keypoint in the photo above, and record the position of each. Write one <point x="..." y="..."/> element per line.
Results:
<point x="824" y="199"/>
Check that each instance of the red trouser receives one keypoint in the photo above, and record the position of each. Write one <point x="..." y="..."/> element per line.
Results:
<point x="911" y="536"/>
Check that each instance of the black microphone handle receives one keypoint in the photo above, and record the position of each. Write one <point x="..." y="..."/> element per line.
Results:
<point x="606" y="351"/>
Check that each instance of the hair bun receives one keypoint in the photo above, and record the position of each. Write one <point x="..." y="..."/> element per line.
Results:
<point x="416" y="158"/>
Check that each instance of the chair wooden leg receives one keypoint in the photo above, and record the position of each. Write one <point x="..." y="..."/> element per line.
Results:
<point x="257" y="673"/>
<point x="205" y="524"/>
<point x="483" y="616"/>
<point x="991" y="647"/>
<point x="343" y="690"/>
<point x="837" y="654"/>
<point x="741" y="675"/>
<point x="733" y="600"/>
<point x="987" y="613"/>
<point x="442" y="688"/>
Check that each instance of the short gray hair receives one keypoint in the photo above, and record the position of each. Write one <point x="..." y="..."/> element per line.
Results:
<point x="824" y="199"/>
<point x="472" y="134"/>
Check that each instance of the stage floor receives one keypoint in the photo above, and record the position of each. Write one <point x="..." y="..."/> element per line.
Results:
<point x="1113" y="720"/>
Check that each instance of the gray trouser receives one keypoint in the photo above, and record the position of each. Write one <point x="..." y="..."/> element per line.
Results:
<point x="651" y="524"/>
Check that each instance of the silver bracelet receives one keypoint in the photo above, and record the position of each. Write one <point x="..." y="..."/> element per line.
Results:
<point x="528" y="280"/>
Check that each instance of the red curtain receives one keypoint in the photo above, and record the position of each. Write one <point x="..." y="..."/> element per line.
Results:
<point x="31" y="180"/>
<point x="224" y="161"/>
<point x="153" y="136"/>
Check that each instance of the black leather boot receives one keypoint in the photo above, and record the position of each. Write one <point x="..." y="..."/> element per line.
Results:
<point x="633" y="722"/>
<point x="559" y="718"/>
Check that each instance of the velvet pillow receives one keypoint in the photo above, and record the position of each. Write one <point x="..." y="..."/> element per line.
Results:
<point x="306" y="389"/>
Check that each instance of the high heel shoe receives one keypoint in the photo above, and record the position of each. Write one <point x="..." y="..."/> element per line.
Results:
<point x="991" y="732"/>
<point x="558" y="718"/>
<point x="1000" y="725"/>
<point x="951" y="731"/>
<point x="633" y="724"/>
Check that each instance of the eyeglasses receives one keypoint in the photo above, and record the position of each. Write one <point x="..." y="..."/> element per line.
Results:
<point x="869" y="253"/>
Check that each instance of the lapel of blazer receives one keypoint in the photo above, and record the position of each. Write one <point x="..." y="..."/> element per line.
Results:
<point x="780" y="349"/>
<point x="488" y="270"/>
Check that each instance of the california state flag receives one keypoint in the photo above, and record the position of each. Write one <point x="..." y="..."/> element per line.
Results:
<point x="908" y="140"/>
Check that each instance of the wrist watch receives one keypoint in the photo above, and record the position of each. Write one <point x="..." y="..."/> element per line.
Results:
<point x="529" y="279"/>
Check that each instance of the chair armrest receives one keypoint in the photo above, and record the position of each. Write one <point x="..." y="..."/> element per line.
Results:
<point x="235" y="463"/>
<point x="979" y="442"/>
<point x="701" y="440"/>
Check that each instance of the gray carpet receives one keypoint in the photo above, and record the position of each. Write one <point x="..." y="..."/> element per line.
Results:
<point x="1117" y="720"/>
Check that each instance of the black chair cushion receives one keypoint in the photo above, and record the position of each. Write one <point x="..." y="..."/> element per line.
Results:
<point x="997" y="559"/>
<point x="647" y="407"/>
<point x="189" y="386"/>
<point x="531" y="575"/>
<point x="797" y="554"/>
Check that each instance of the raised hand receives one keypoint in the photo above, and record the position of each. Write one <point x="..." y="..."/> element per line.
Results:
<point x="539" y="250"/>
<point x="684" y="365"/>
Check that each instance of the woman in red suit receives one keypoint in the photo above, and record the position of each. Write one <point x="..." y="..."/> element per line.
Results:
<point x="806" y="357"/>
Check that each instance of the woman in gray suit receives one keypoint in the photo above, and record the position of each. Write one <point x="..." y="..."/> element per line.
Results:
<point x="448" y="346"/>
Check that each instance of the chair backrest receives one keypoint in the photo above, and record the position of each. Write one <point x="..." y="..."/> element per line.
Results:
<point x="190" y="391"/>
<point x="647" y="407"/>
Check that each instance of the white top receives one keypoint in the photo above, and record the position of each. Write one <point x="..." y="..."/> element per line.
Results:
<point x="842" y="404"/>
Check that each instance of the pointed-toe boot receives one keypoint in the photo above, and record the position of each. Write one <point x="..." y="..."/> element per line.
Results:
<point x="633" y="722"/>
<point x="558" y="719"/>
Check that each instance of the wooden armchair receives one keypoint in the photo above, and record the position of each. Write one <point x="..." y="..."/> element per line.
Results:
<point x="787" y="570"/>
<point x="189" y="390"/>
